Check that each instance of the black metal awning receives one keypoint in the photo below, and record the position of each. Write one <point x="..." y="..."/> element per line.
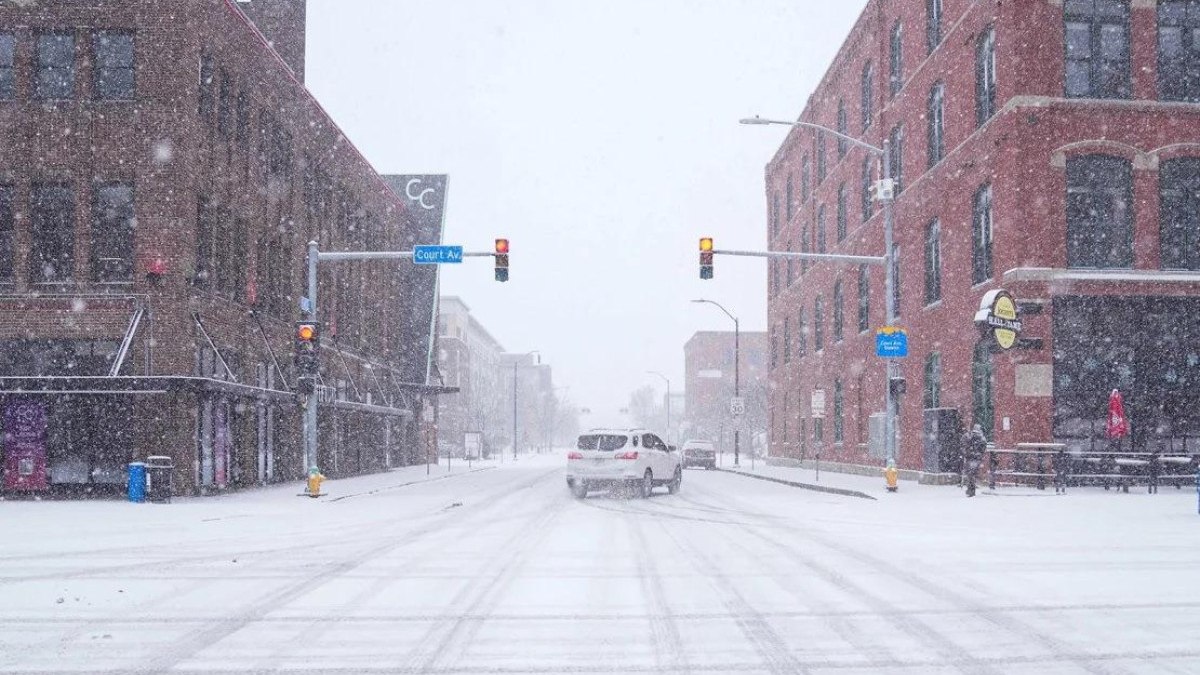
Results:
<point x="176" y="384"/>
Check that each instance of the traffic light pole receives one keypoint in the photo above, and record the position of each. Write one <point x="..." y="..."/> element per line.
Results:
<point x="309" y="310"/>
<point x="884" y="192"/>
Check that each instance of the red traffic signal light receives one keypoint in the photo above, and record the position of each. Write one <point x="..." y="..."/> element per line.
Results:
<point x="706" y="257"/>
<point x="501" y="260"/>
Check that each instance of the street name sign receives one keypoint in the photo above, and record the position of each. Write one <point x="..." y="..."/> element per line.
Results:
<point x="437" y="255"/>
<point x="891" y="342"/>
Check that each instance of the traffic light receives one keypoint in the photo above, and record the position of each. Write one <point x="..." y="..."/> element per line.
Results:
<point x="308" y="349"/>
<point x="706" y="258"/>
<point x="501" y="260"/>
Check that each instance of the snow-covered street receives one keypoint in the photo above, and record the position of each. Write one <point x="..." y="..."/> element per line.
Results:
<point x="501" y="570"/>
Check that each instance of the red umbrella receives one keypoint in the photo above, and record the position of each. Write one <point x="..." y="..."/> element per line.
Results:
<point x="1117" y="425"/>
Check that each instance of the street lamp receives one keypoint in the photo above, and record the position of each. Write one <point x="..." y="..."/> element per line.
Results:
<point x="517" y="364"/>
<point x="884" y="192"/>
<point x="668" y="381"/>
<point x="737" y="377"/>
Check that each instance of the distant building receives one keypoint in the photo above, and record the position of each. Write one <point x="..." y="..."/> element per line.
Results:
<point x="469" y="361"/>
<point x="709" y="387"/>
<point x="162" y="168"/>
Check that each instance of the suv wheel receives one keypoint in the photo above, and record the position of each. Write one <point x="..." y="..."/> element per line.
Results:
<point x="647" y="485"/>
<point x="676" y="481"/>
<point x="579" y="489"/>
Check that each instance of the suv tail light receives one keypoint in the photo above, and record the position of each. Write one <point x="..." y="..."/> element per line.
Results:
<point x="574" y="455"/>
<point x="626" y="455"/>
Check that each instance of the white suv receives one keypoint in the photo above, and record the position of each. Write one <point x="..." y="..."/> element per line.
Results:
<point x="632" y="457"/>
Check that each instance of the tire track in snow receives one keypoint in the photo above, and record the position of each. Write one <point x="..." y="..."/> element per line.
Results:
<point x="448" y="640"/>
<point x="191" y="645"/>
<point x="1057" y="651"/>
<point x="664" y="628"/>
<point x="776" y="656"/>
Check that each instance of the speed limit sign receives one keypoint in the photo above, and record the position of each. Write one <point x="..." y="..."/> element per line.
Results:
<point x="737" y="406"/>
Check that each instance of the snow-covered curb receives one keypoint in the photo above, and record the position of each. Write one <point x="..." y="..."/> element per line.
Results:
<point x="804" y="486"/>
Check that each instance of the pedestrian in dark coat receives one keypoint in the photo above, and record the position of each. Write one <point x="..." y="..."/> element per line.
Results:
<point x="1061" y="464"/>
<point x="974" y="445"/>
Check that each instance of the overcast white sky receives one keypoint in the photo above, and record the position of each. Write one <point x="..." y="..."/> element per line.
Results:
<point x="601" y="137"/>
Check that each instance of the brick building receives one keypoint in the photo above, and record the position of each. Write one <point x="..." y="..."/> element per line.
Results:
<point x="162" y="167"/>
<point x="1046" y="147"/>
<point x="709" y="387"/>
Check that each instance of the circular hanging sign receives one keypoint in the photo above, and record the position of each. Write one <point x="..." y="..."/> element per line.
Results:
<point x="998" y="315"/>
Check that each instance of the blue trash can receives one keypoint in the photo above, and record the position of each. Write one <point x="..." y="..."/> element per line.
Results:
<point x="137" y="482"/>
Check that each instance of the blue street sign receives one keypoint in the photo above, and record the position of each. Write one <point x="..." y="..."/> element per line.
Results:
<point x="437" y="255"/>
<point x="891" y="342"/>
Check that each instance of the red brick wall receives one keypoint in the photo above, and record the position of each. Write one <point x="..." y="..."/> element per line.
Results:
<point x="1020" y="152"/>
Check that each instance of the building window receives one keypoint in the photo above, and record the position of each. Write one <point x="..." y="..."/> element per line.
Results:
<point x="843" y="127"/>
<point x="1178" y="50"/>
<point x="206" y="234"/>
<point x="7" y="223"/>
<point x="839" y="312"/>
<point x="933" y="262"/>
<point x="775" y="277"/>
<point x="821" y="229"/>
<point x="983" y="407"/>
<point x="819" y="432"/>
<point x="896" y="65"/>
<point x="804" y="178"/>
<point x="805" y="247"/>
<point x="867" y="206"/>
<point x="112" y="233"/>
<point x="8" y="79"/>
<point x="818" y="324"/>
<point x="895" y="282"/>
<point x="839" y="412"/>
<point x="1099" y="212"/>
<point x="841" y="213"/>
<point x="985" y="77"/>
<point x="933" y="380"/>
<point x="242" y="124"/>
<point x="1179" y="187"/>
<point x="981" y="235"/>
<point x="52" y="256"/>
<point x="864" y="298"/>
<point x="868" y="95"/>
<point x="787" y="340"/>
<point x="801" y="335"/>
<point x="114" y="79"/>
<point x="790" y="267"/>
<point x="933" y="24"/>
<point x="821" y="167"/>
<point x="896" y="158"/>
<point x="790" y="199"/>
<point x="207" y="79"/>
<point x="225" y="105"/>
<point x="936" y="121"/>
<point x="774" y="350"/>
<point x="55" y="66"/>
<point x="1097" y="48"/>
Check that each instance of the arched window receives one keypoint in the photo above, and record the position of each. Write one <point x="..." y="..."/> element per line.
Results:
<point x="936" y="121"/>
<point x="1099" y="212"/>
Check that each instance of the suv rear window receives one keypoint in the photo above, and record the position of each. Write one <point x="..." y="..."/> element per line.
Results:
<point x="603" y="442"/>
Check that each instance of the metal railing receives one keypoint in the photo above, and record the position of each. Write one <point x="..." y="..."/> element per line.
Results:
<point x="1039" y="464"/>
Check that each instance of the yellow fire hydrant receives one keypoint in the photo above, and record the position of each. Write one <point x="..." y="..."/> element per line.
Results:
<point x="314" y="482"/>
<point x="890" y="474"/>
